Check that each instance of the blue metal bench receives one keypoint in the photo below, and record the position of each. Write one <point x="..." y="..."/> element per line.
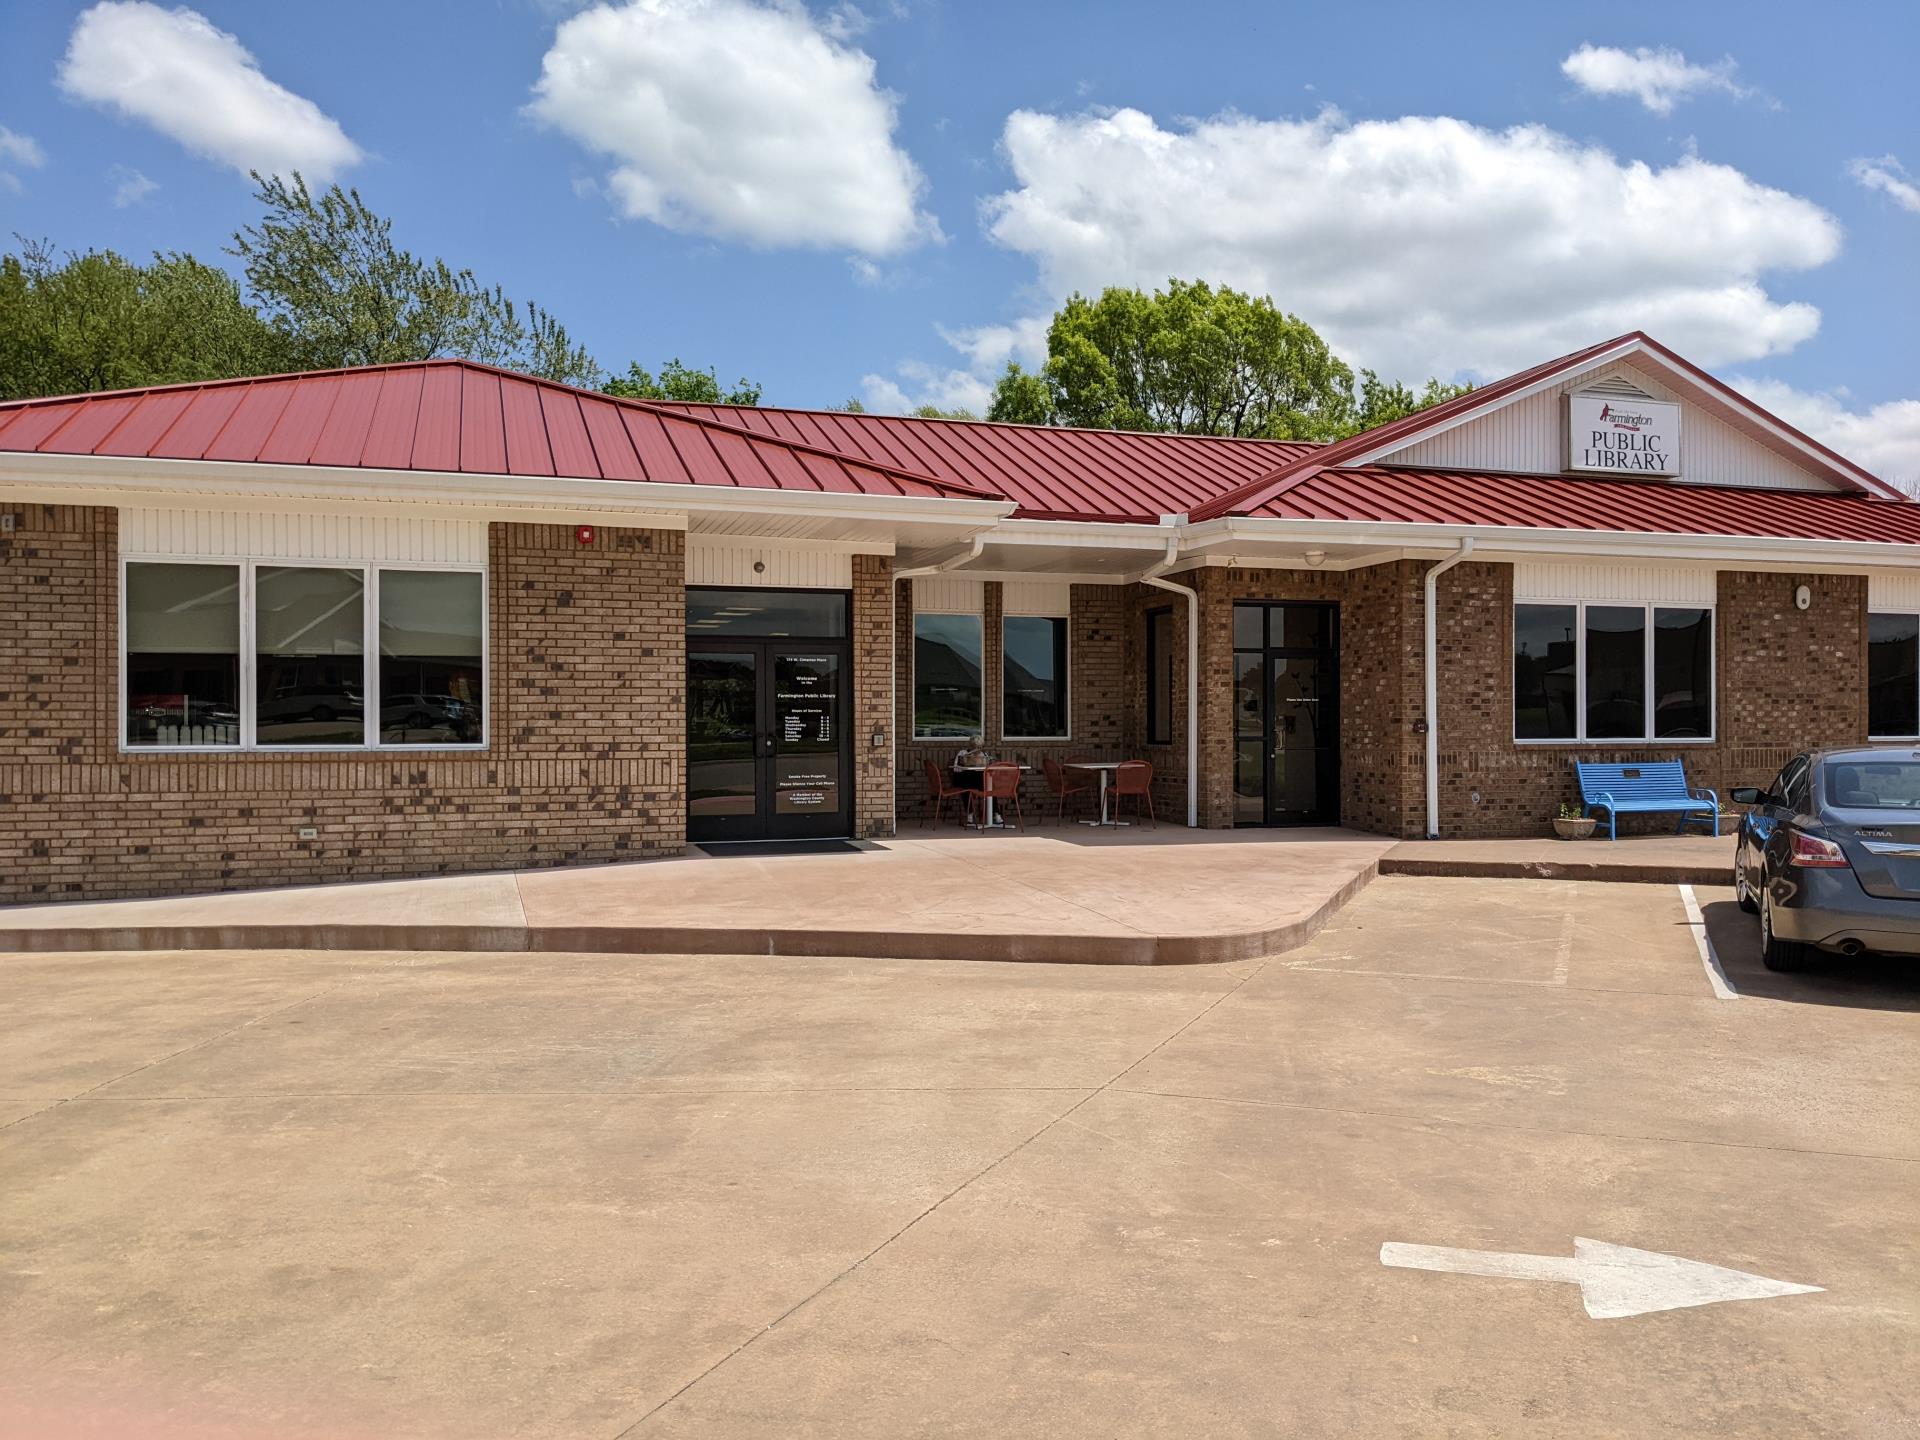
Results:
<point x="1652" y="787"/>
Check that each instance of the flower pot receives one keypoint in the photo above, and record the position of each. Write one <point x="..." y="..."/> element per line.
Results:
<point x="1578" y="829"/>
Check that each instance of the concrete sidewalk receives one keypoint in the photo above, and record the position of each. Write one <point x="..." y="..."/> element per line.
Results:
<point x="1653" y="859"/>
<point x="1135" y="897"/>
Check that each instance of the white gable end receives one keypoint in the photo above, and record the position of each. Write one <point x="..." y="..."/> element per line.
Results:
<point x="1529" y="435"/>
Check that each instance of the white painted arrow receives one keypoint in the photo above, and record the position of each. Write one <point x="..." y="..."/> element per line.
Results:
<point x="1614" y="1280"/>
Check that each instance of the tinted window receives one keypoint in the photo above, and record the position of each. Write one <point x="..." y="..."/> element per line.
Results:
<point x="1033" y="677"/>
<point x="310" y="656"/>
<point x="1795" y="787"/>
<point x="1249" y="627"/>
<point x="430" y="650"/>
<point x="183" y="654"/>
<point x="819" y="615"/>
<point x="946" y="676"/>
<point x="1682" y="674"/>
<point x="1616" y="671"/>
<point x="1893" y="674"/>
<point x="1543" y="672"/>
<point x="1873" y="784"/>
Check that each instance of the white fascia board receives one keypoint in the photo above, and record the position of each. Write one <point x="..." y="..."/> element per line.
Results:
<point x="1092" y="534"/>
<point x="84" y="479"/>
<point x="1516" y="541"/>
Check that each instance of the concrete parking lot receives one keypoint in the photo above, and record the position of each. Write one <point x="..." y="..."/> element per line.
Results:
<point x="330" y="1195"/>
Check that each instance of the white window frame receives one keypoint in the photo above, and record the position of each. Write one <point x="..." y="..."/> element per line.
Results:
<point x="1066" y="680"/>
<point x="249" y="567"/>
<point x="913" y="674"/>
<point x="1580" y="676"/>
<point x="1903" y="612"/>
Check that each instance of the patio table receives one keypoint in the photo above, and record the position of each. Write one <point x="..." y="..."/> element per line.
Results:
<point x="977" y="777"/>
<point x="1106" y="769"/>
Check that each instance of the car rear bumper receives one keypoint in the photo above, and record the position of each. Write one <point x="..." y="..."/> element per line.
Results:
<point x="1829" y="910"/>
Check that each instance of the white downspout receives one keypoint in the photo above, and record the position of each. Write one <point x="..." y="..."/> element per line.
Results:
<point x="952" y="562"/>
<point x="1431" y="656"/>
<point x="1151" y="576"/>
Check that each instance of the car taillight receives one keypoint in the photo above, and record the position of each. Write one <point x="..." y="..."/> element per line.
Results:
<point x="1813" y="853"/>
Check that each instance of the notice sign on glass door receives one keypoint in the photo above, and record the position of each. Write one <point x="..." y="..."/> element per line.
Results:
<point x="806" y="716"/>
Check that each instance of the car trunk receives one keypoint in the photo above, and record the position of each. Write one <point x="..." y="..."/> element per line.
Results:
<point x="1883" y="847"/>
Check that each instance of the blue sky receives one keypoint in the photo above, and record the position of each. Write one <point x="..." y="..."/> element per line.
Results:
<point x="886" y="200"/>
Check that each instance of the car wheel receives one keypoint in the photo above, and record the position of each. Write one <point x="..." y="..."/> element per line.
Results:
<point x="1742" y="891"/>
<point x="418" y="720"/>
<point x="322" y="714"/>
<point x="1779" y="955"/>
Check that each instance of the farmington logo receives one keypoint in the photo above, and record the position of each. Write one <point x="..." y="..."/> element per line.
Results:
<point x="1624" y="419"/>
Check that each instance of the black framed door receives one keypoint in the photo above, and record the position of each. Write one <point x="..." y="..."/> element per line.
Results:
<point x="1286" y="705"/>
<point x="768" y="755"/>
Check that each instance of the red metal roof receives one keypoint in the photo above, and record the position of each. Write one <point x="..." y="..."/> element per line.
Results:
<point x="1564" y="502"/>
<point x="450" y="416"/>
<point x="1052" y="473"/>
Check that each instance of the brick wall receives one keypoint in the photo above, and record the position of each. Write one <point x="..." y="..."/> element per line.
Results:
<point x="1097" y="697"/>
<point x="585" y="763"/>
<point x="1786" y="679"/>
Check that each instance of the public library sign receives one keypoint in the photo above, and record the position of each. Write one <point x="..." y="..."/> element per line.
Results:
<point x="1623" y="435"/>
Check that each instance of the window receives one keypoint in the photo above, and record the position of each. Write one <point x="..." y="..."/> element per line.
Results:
<point x="947" y="668"/>
<point x="815" y="614"/>
<point x="182" y="682"/>
<point x="430" y="653"/>
<point x="1033" y="677"/>
<point x="307" y="683"/>
<point x="310" y="656"/>
<point x="1612" y="672"/>
<point x="1893" y="676"/>
<point x="1160" y="677"/>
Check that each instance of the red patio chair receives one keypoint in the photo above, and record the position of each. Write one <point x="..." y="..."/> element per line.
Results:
<point x="1135" y="778"/>
<point x="999" y="783"/>
<point x="1063" y="789"/>
<point x="939" y="791"/>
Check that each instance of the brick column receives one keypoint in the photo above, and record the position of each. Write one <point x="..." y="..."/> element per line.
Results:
<point x="873" y="709"/>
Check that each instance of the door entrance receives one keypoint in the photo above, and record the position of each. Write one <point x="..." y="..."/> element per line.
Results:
<point x="767" y="755"/>
<point x="1286" y="707"/>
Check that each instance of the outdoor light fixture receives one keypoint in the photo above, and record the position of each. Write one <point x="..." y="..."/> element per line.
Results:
<point x="1316" y="558"/>
<point x="1803" y="598"/>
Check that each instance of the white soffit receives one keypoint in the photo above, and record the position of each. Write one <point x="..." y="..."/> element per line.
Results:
<point x="783" y="567"/>
<point x="948" y="595"/>
<point x="294" y="535"/>
<point x="1576" y="580"/>
<point x="1036" y="597"/>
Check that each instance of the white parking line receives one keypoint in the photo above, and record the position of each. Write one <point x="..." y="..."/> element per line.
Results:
<point x="1703" y="942"/>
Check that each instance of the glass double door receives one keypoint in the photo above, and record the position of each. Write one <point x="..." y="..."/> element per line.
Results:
<point x="1286" y="706"/>
<point x="767" y="754"/>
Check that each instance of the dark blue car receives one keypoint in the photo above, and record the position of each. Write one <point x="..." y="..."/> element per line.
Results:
<point x="1829" y="855"/>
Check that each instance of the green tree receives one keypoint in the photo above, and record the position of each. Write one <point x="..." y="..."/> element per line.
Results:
<point x="1022" y="398"/>
<point x="1381" y="401"/>
<point x="99" y="321"/>
<point x="682" y="383"/>
<point x="934" y="412"/>
<point x="326" y="273"/>
<point x="1190" y="358"/>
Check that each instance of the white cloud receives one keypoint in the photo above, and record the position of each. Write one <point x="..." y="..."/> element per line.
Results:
<point x="18" y="149"/>
<point x="130" y="187"/>
<point x="1658" y="79"/>
<point x="1418" y="245"/>
<point x="1887" y="174"/>
<point x="920" y="384"/>
<point x="17" y="152"/>
<point x="741" y="121"/>
<point x="198" y="85"/>
<point x="1884" y="438"/>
